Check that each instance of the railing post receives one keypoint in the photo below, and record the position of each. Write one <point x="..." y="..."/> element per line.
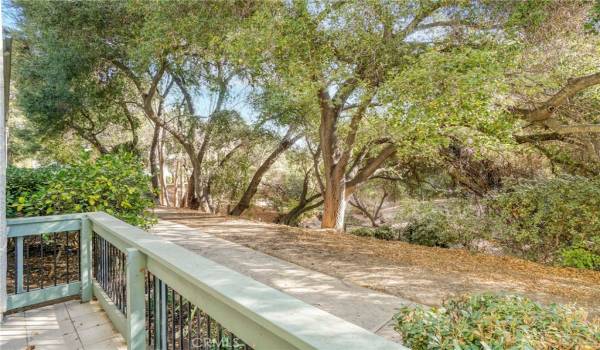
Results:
<point x="19" y="265"/>
<point x="85" y="246"/>
<point x="136" y="300"/>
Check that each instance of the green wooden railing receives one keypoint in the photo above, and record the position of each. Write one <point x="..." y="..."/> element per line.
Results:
<point x="259" y="316"/>
<point x="21" y="228"/>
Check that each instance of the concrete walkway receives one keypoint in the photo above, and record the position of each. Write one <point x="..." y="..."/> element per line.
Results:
<point x="364" y="307"/>
<point x="63" y="326"/>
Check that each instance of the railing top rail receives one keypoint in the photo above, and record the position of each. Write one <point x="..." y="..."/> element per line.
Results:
<point x="300" y="324"/>
<point x="43" y="219"/>
<point x="36" y="225"/>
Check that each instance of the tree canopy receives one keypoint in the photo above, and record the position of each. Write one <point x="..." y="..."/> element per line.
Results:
<point x="447" y="90"/>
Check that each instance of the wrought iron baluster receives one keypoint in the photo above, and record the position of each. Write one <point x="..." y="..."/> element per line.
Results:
<point x="105" y="252"/>
<point x="115" y="271"/>
<point x="189" y="324"/>
<point x="172" y="321"/>
<point x="180" y="322"/>
<point x="148" y="296"/>
<point x="111" y="271"/>
<point x="124" y="279"/>
<point x="41" y="263"/>
<point x="78" y="235"/>
<point x="67" y="257"/>
<point x="16" y="279"/>
<point x="27" y="263"/>
<point x="55" y="260"/>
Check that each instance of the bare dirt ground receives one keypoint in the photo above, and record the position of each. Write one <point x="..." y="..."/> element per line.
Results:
<point x="421" y="274"/>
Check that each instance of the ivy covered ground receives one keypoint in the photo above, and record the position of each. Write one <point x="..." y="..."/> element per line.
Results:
<point x="422" y="274"/>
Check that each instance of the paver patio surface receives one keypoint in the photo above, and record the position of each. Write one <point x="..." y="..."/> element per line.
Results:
<point x="69" y="325"/>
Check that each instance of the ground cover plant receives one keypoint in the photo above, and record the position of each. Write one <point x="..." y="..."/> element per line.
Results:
<point x="489" y="321"/>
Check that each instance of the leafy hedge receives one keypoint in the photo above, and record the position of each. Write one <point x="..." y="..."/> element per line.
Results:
<point x="497" y="322"/>
<point x="556" y="221"/>
<point x="114" y="183"/>
<point x="25" y="181"/>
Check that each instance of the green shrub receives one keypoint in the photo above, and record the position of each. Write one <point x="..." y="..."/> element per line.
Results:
<point x="580" y="258"/>
<point x="22" y="181"/>
<point x="114" y="183"/>
<point x="362" y="232"/>
<point x="385" y="233"/>
<point x="382" y="232"/>
<point x="443" y="226"/>
<point x="556" y="221"/>
<point x="432" y="231"/>
<point x="497" y="322"/>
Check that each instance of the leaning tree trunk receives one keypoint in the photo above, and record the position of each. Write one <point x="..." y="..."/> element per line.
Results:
<point x="176" y="185"/>
<point x="291" y="217"/>
<point x="161" y="174"/>
<point x="154" y="170"/>
<point x="244" y="203"/>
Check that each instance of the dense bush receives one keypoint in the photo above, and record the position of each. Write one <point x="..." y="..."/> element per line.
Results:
<point x="443" y="226"/>
<point x="382" y="232"/>
<point x="556" y="221"/>
<point x="23" y="182"/>
<point x="114" y="183"/>
<point x="431" y="230"/>
<point x="497" y="322"/>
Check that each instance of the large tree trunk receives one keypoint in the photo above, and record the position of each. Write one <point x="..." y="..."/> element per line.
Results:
<point x="207" y="200"/>
<point x="334" y="196"/>
<point x="334" y="205"/>
<point x="154" y="169"/>
<point x="342" y="177"/>
<point x="191" y="201"/>
<point x="244" y="203"/>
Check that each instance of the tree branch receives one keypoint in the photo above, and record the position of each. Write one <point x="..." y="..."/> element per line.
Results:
<point x="129" y="73"/>
<point x="547" y="109"/>
<point x="416" y="21"/>
<point x="452" y="23"/>
<point x="558" y="132"/>
<point x="133" y="125"/>
<point x="372" y="165"/>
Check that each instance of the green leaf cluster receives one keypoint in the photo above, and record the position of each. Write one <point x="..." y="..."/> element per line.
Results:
<point x="114" y="183"/>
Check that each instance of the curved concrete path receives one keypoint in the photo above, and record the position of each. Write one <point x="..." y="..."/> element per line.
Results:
<point x="366" y="308"/>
